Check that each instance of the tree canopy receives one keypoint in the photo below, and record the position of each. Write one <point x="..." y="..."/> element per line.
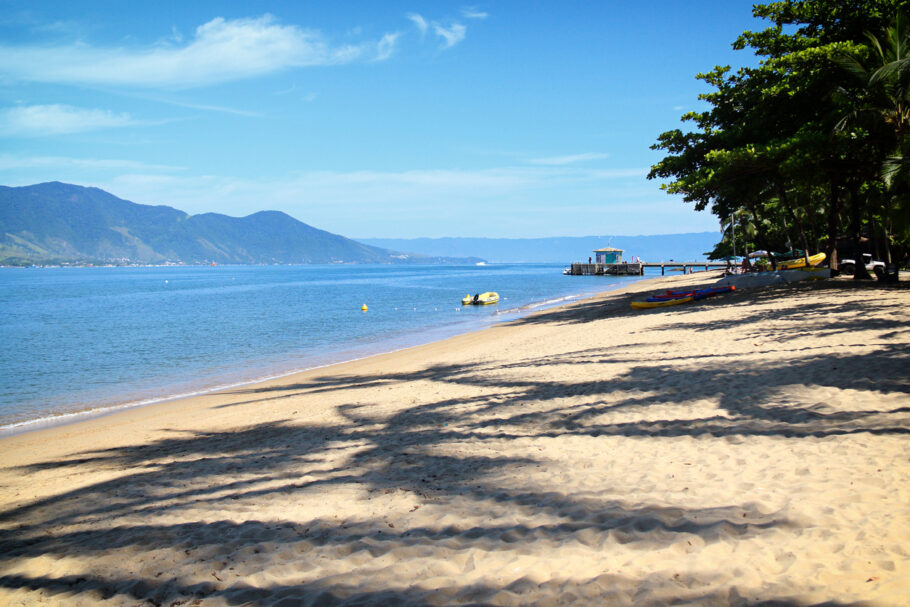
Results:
<point x="810" y="149"/>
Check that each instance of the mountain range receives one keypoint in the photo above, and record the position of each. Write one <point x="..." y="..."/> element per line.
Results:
<point x="53" y="223"/>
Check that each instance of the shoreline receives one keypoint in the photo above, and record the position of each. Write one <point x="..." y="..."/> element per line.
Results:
<point x="724" y="452"/>
<point x="397" y="344"/>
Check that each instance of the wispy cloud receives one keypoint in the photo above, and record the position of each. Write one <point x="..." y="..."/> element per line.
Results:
<point x="470" y="12"/>
<point x="221" y="50"/>
<point x="451" y="35"/>
<point x="42" y="120"/>
<point x="10" y="161"/>
<point x="572" y="159"/>
<point x="420" y="22"/>
<point x="386" y="47"/>
<point x="206" y="107"/>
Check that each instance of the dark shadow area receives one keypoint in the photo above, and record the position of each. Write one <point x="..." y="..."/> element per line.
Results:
<point x="602" y="590"/>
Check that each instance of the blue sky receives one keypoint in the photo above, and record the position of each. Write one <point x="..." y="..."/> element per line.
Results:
<point x="368" y="119"/>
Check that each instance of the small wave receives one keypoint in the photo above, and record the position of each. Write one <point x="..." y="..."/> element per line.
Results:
<point x="539" y="305"/>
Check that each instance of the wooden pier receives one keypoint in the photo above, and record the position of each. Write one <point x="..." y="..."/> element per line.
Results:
<point x="638" y="269"/>
<point x="606" y="269"/>
<point x="686" y="265"/>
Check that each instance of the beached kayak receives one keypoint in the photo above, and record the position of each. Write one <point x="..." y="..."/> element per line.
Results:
<point x="643" y="305"/>
<point x="695" y="293"/>
<point x="792" y="264"/>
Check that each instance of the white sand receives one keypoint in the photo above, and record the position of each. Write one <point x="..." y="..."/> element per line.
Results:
<point x="749" y="448"/>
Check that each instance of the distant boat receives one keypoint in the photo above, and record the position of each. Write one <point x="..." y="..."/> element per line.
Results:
<point x="481" y="299"/>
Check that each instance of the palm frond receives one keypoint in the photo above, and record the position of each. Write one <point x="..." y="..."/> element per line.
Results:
<point x="852" y="66"/>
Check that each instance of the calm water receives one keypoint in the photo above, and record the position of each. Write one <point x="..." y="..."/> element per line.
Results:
<point x="86" y="339"/>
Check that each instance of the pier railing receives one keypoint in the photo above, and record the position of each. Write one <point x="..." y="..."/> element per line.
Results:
<point x="638" y="268"/>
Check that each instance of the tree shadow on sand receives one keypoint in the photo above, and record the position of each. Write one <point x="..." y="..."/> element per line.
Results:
<point x="603" y="589"/>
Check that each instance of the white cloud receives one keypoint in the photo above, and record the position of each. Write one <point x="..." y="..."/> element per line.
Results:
<point x="12" y="162"/>
<point x="420" y="22"/>
<point x="473" y="13"/>
<point x="620" y="173"/>
<point x="572" y="159"/>
<point x="451" y="35"/>
<point x="386" y="47"/>
<point x="209" y="108"/>
<point x="221" y="50"/>
<point x="41" y="120"/>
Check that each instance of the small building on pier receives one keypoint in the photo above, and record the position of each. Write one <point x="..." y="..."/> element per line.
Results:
<point x="608" y="255"/>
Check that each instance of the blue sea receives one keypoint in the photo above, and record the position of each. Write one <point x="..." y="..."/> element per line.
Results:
<point x="80" y="341"/>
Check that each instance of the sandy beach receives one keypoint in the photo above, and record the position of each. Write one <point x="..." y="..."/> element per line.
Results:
<point x="747" y="449"/>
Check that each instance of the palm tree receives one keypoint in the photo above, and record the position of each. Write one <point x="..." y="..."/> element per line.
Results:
<point x="881" y="108"/>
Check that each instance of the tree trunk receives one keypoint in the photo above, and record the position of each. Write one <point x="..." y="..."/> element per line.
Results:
<point x="833" y="223"/>
<point x="860" y="272"/>
<point x="887" y="228"/>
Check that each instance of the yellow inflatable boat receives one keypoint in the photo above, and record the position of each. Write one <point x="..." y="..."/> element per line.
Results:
<point x="481" y="299"/>
<point x="794" y="264"/>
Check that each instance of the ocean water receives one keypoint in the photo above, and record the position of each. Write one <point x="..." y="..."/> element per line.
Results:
<point x="80" y="341"/>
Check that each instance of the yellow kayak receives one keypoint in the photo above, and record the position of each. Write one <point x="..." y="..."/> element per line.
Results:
<point x="793" y="264"/>
<point x="644" y="305"/>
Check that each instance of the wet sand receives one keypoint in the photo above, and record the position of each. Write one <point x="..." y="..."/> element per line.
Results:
<point x="744" y="449"/>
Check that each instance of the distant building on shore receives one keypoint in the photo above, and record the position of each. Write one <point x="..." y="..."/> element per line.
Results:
<point x="608" y="255"/>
